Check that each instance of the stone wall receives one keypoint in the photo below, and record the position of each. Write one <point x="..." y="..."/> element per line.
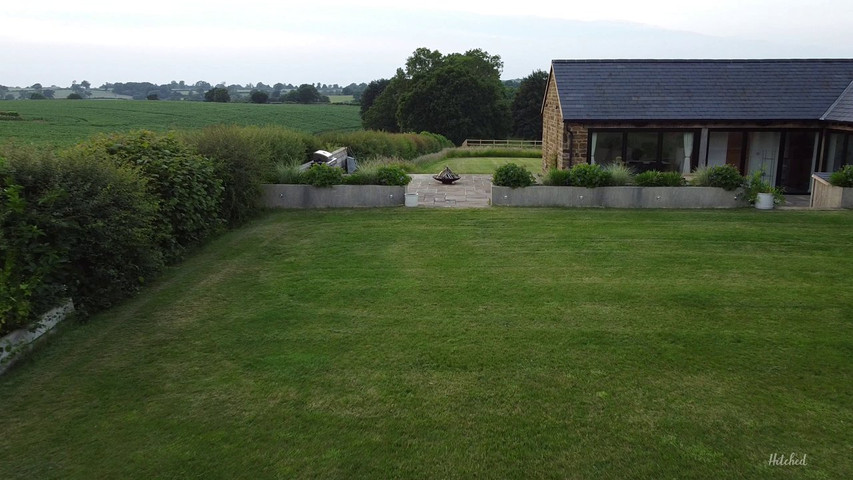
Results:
<point x="337" y="196"/>
<point x="552" y="127"/>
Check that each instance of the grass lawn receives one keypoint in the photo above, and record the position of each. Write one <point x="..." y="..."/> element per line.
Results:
<point x="477" y="164"/>
<point x="64" y="122"/>
<point x="436" y="343"/>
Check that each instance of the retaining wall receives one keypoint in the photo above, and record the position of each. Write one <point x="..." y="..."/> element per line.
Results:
<point x="618" y="197"/>
<point x="336" y="196"/>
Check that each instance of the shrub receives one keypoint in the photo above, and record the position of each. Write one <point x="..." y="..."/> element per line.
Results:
<point x="755" y="184"/>
<point x="243" y="158"/>
<point x="369" y="144"/>
<point x="557" y="177"/>
<point x="322" y="175"/>
<point x="392" y="175"/>
<point x="512" y="175"/>
<point x="186" y="185"/>
<point x="619" y="174"/>
<point x="81" y="226"/>
<point x="589" y="176"/>
<point x="286" y="173"/>
<point x="654" y="178"/>
<point x="843" y="177"/>
<point x="726" y="177"/>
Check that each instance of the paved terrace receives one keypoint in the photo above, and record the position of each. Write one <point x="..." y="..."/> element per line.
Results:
<point x="470" y="191"/>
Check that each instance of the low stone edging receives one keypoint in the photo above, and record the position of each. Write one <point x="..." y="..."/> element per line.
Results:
<point x="618" y="197"/>
<point x="15" y="343"/>
<point x="336" y="196"/>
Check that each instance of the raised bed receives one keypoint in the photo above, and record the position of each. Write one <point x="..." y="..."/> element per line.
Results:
<point x="618" y="197"/>
<point x="336" y="196"/>
<point x="826" y="195"/>
<point x="15" y="343"/>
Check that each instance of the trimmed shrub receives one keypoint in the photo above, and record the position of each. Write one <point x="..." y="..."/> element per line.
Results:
<point x="557" y="178"/>
<point x="322" y="175"/>
<point x="843" y="177"/>
<point x="392" y="175"/>
<point x="654" y="178"/>
<point x="80" y="226"/>
<point x="512" y="175"/>
<point x="726" y="177"/>
<point x="589" y="176"/>
<point x="185" y="184"/>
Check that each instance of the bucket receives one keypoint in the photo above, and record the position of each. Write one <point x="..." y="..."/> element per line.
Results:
<point x="764" y="201"/>
<point x="411" y="199"/>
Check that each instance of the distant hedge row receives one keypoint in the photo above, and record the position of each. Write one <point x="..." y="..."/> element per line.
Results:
<point x="99" y="220"/>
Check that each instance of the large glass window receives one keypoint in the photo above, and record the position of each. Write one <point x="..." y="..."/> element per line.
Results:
<point x="645" y="149"/>
<point x="606" y="148"/>
<point x="839" y="151"/>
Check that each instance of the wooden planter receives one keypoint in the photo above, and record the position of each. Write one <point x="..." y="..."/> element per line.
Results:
<point x="826" y="195"/>
<point x="618" y="197"/>
<point x="336" y="196"/>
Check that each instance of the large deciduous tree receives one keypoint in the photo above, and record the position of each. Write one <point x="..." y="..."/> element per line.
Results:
<point x="458" y="95"/>
<point x="217" y="94"/>
<point x="527" y="106"/>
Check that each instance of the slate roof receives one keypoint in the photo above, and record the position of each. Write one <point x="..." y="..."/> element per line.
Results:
<point x="802" y="89"/>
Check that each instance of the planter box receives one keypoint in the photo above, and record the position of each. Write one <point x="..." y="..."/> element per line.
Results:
<point x="618" y="197"/>
<point x="337" y="196"/>
<point x="826" y="195"/>
<point x="13" y="344"/>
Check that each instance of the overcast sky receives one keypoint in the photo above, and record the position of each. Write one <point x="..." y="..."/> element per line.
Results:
<point x="331" y="41"/>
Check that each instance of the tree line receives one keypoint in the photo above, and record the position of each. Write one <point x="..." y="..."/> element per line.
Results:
<point x="458" y="95"/>
<point x="180" y="90"/>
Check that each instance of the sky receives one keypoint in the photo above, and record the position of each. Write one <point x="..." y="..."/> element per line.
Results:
<point x="329" y="41"/>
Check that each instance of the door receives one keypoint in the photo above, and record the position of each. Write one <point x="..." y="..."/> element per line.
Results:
<point x="797" y="161"/>
<point x="764" y="154"/>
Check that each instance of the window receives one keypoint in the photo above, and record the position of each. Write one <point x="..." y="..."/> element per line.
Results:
<point x="643" y="150"/>
<point x="839" y="151"/>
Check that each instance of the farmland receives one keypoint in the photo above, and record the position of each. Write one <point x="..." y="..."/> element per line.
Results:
<point x="64" y="122"/>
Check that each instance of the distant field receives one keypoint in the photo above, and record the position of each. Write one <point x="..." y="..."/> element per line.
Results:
<point x="340" y="98"/>
<point x="64" y="122"/>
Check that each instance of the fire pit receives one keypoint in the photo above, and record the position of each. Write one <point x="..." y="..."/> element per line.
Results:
<point x="446" y="176"/>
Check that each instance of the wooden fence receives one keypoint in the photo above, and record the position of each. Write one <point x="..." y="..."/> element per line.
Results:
<point x="502" y="143"/>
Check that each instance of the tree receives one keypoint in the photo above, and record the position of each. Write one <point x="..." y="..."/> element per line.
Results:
<point x="152" y="96"/>
<point x="382" y="112"/>
<point x="48" y="93"/>
<point x="459" y="95"/>
<point x="456" y="101"/>
<point x="258" y="96"/>
<point x="37" y="96"/>
<point x="373" y="90"/>
<point x="85" y="84"/>
<point x="36" y="86"/>
<point x="74" y="96"/>
<point x="305" y="93"/>
<point x="217" y="94"/>
<point x="527" y="106"/>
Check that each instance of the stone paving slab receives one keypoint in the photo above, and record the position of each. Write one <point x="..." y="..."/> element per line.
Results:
<point x="470" y="191"/>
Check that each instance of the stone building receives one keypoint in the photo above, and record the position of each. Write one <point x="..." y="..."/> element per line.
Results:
<point x="787" y="118"/>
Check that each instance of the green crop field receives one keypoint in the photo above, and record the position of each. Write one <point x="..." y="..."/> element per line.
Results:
<point x="64" y="122"/>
